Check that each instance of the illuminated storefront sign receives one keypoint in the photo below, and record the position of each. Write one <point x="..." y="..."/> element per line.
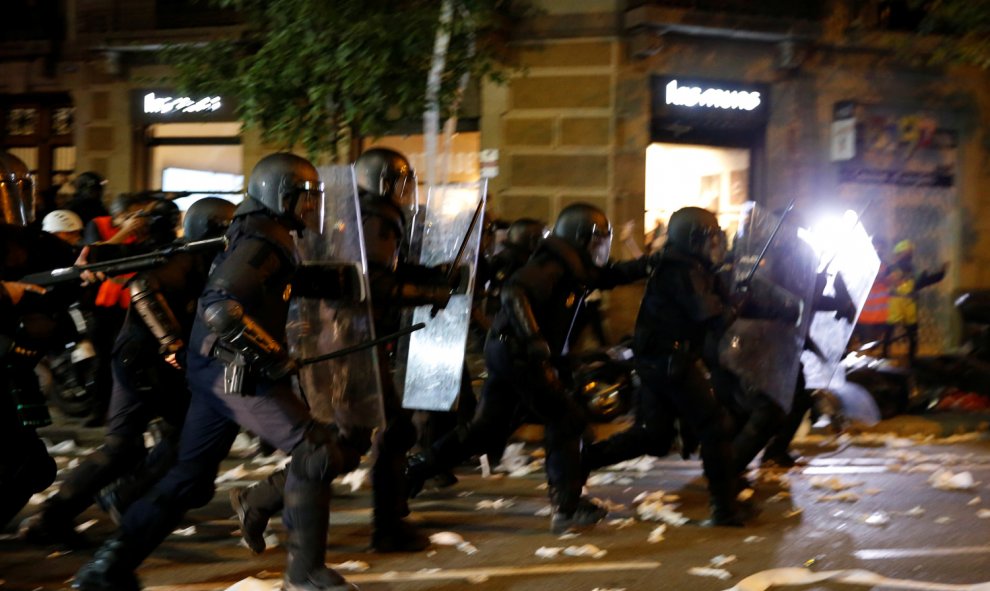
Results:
<point x="163" y="105"/>
<point x="716" y="98"/>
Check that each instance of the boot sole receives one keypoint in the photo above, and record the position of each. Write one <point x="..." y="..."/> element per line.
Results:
<point x="235" y="503"/>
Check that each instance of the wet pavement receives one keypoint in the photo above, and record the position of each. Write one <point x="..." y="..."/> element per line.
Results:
<point x="869" y="501"/>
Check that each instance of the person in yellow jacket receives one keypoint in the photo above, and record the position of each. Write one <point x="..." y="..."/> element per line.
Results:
<point x="904" y="283"/>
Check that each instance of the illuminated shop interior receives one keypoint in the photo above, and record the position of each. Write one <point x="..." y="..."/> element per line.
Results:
<point x="682" y="175"/>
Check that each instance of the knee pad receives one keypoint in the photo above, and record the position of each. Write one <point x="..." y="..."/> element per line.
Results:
<point x="318" y="457"/>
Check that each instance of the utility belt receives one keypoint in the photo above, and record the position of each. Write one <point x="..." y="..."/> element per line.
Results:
<point x="237" y="375"/>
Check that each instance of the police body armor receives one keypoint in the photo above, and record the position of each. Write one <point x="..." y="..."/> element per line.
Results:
<point x="268" y="252"/>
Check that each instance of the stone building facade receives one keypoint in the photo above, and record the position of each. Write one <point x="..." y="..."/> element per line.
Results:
<point x="846" y="118"/>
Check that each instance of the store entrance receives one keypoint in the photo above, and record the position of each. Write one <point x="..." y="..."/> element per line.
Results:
<point x="203" y="158"/>
<point x="681" y="175"/>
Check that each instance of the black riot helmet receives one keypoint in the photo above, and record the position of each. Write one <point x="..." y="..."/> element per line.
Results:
<point x="288" y="186"/>
<point x="163" y="220"/>
<point x="386" y="174"/>
<point x="586" y="227"/>
<point x="695" y="231"/>
<point x="16" y="191"/>
<point x="208" y="217"/>
<point x="89" y="184"/>
<point x="525" y="234"/>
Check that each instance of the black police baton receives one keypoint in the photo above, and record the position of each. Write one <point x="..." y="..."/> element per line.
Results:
<point x="364" y="345"/>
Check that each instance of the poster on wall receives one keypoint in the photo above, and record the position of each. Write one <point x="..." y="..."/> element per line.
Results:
<point x="905" y="167"/>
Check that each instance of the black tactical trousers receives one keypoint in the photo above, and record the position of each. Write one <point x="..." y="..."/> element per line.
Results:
<point x="25" y="466"/>
<point x="144" y="387"/>
<point x="517" y="388"/>
<point x="686" y="386"/>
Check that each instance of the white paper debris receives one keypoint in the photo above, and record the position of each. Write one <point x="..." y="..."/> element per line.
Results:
<point x="622" y="523"/>
<point x="548" y="551"/>
<point x="356" y="479"/>
<point x="946" y="480"/>
<point x="449" y="538"/>
<point x="943" y="520"/>
<point x="585" y="550"/>
<point x="640" y="464"/>
<point x="793" y="513"/>
<point x="63" y="448"/>
<point x="513" y="458"/>
<point x="351" y="566"/>
<point x="656" y="536"/>
<point x="721" y="560"/>
<point x="832" y="483"/>
<point x="244" y="445"/>
<point x="493" y="505"/>
<point x="238" y="473"/>
<point x="974" y="501"/>
<point x="983" y="513"/>
<point x="653" y="508"/>
<point x="86" y="525"/>
<point x="916" y="511"/>
<point x="718" y="573"/>
<point x="877" y="518"/>
<point x="186" y="531"/>
<point x="568" y="536"/>
<point x="602" y="478"/>
<point x="446" y="538"/>
<point x="544" y="512"/>
<point x="252" y="584"/>
<point x="753" y="539"/>
<point x="486" y="467"/>
<point x="779" y="577"/>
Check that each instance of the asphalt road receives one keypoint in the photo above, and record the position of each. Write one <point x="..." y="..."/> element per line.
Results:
<point x="859" y="504"/>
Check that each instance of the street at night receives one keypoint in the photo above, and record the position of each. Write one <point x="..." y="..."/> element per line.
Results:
<point x="863" y="502"/>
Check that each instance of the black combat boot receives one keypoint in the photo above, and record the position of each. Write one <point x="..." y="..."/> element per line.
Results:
<point x="397" y="535"/>
<point x="419" y="468"/>
<point x="570" y="515"/>
<point x="53" y="526"/>
<point x="111" y="569"/>
<point x="306" y="569"/>
<point x="255" y="506"/>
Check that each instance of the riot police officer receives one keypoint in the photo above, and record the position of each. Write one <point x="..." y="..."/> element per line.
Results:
<point x="684" y="311"/>
<point x="524" y="353"/>
<point x="387" y="191"/>
<point x="148" y="382"/>
<point x="87" y="202"/>
<point x="521" y="240"/>
<point x="239" y="373"/>
<point x="29" y="327"/>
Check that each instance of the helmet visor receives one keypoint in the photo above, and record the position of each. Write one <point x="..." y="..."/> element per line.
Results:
<point x="405" y="194"/>
<point x="309" y="206"/>
<point x="600" y="247"/>
<point x="715" y="247"/>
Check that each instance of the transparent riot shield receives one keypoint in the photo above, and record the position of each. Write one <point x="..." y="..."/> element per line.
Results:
<point x="346" y="390"/>
<point x="430" y="361"/>
<point x="764" y="352"/>
<point x="851" y="264"/>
